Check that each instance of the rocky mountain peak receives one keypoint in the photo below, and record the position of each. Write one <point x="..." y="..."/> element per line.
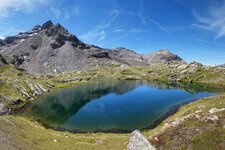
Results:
<point x="161" y="56"/>
<point x="36" y="28"/>
<point x="2" y="43"/>
<point x="13" y="40"/>
<point x="59" y="34"/>
<point x="47" y="25"/>
<point x="50" y="49"/>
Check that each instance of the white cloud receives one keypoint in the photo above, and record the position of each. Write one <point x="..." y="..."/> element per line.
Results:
<point x="119" y="30"/>
<point x="213" y="21"/>
<point x="137" y="30"/>
<point x="9" y="7"/>
<point x="210" y="42"/>
<point x="66" y="15"/>
<point x="98" y="34"/>
<point x="76" y="10"/>
<point x="144" y="19"/>
<point x="55" y="12"/>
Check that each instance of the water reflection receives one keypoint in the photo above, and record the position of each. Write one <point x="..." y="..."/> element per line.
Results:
<point x="109" y="105"/>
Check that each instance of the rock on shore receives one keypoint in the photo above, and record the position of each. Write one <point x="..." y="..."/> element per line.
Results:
<point x="138" y="141"/>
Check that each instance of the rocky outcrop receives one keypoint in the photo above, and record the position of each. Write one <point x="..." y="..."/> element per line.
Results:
<point x="129" y="57"/>
<point x="36" y="89"/>
<point x="215" y="110"/>
<point x="190" y="68"/>
<point x="162" y="56"/>
<point x="54" y="50"/>
<point x="22" y="36"/>
<point x="138" y="141"/>
<point x="50" y="49"/>
<point x="2" y="61"/>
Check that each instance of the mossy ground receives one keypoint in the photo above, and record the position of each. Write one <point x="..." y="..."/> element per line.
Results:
<point x="17" y="132"/>
<point x="23" y="133"/>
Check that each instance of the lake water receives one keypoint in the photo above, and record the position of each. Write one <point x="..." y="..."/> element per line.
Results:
<point x="109" y="105"/>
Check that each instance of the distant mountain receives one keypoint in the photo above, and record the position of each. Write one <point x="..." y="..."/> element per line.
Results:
<point x="50" y="49"/>
<point x="161" y="56"/>
<point x="13" y="40"/>
<point x="129" y="57"/>
<point x="222" y="66"/>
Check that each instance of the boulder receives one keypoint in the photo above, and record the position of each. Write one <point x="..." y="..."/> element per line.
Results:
<point x="213" y="118"/>
<point x="214" y="110"/>
<point x="138" y="141"/>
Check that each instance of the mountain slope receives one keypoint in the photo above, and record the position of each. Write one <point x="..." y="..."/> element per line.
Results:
<point x="55" y="50"/>
<point x="51" y="49"/>
<point x="161" y="56"/>
<point x="2" y="61"/>
<point x="128" y="56"/>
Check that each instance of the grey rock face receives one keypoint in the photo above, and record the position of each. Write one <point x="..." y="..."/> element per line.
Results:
<point x="215" y="110"/>
<point x="2" y="61"/>
<point x="161" y="56"/>
<point x="221" y="66"/>
<point x="55" y="50"/>
<point x="2" y="43"/>
<point x="13" y="40"/>
<point x="47" y="25"/>
<point x="138" y="141"/>
<point x="51" y="49"/>
<point x="129" y="57"/>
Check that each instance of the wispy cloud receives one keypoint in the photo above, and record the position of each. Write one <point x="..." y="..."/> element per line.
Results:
<point x="213" y="21"/>
<point x="98" y="34"/>
<point x="56" y="12"/>
<point x="145" y="19"/>
<point x="9" y="7"/>
<point x="6" y="30"/>
<point x="210" y="42"/>
<point x="141" y="15"/>
<point x="137" y="30"/>
<point x="76" y="10"/>
<point x="119" y="30"/>
<point x="159" y="26"/>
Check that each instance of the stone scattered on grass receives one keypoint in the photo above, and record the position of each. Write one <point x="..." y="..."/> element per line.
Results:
<point x="213" y="118"/>
<point x="214" y="110"/>
<point x="201" y="106"/>
<point x="138" y="141"/>
<point x="198" y="111"/>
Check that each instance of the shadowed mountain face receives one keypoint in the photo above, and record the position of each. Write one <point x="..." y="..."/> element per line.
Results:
<point x="2" y="61"/>
<point x="50" y="49"/>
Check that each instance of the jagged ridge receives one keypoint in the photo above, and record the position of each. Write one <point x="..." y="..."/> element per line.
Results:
<point x="50" y="49"/>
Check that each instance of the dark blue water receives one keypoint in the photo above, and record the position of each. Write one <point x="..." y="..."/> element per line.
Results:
<point x="108" y="105"/>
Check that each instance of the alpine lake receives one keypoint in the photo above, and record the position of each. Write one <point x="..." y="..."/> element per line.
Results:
<point x="112" y="105"/>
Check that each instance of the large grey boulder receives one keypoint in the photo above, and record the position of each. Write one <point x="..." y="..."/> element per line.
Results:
<point x="215" y="110"/>
<point x="138" y="141"/>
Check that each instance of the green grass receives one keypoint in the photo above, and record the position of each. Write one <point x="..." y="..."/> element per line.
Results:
<point x="28" y="134"/>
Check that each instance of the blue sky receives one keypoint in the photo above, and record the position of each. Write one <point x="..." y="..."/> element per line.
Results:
<point x="193" y="29"/>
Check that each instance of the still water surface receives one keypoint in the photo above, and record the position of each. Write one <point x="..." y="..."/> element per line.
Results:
<point x="109" y="105"/>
